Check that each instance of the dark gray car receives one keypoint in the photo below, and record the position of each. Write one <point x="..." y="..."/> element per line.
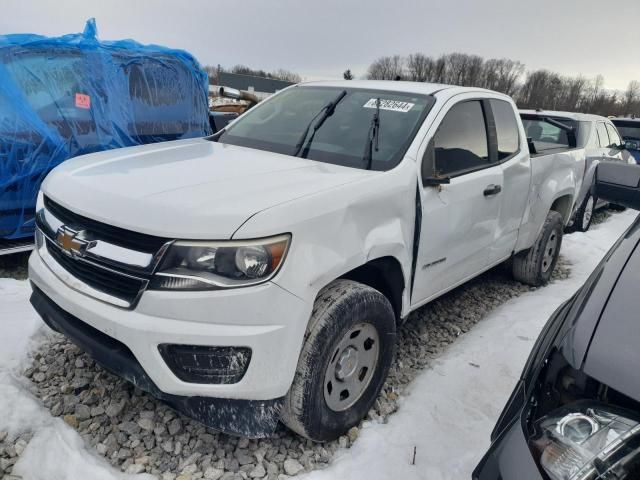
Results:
<point x="575" y="413"/>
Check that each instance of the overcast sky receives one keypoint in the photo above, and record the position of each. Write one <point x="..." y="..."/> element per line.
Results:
<point x="320" y="39"/>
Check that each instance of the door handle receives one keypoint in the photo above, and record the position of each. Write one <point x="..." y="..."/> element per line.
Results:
<point x="492" y="190"/>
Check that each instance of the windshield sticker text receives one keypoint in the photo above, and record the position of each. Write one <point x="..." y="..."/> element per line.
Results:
<point x="392" y="105"/>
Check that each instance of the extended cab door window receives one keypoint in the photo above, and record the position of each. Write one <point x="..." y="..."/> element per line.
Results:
<point x="461" y="141"/>
<point x="506" y="129"/>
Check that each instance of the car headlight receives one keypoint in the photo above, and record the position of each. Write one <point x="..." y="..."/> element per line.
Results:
<point x="196" y="265"/>
<point x="588" y="441"/>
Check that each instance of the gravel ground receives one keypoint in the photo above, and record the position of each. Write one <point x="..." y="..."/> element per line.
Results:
<point x="14" y="266"/>
<point x="137" y="433"/>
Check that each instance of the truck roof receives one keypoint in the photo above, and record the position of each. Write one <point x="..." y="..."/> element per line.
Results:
<point x="578" y="117"/>
<point x="625" y="119"/>
<point x="423" y="88"/>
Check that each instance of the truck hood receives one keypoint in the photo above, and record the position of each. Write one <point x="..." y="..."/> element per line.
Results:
<point x="190" y="189"/>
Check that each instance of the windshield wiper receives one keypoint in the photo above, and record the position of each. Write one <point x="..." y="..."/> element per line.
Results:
<point x="325" y="113"/>
<point x="372" y="136"/>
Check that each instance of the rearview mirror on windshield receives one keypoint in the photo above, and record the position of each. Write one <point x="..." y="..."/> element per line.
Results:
<point x="618" y="183"/>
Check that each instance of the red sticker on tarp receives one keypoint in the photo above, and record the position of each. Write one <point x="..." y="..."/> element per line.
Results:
<point x="83" y="101"/>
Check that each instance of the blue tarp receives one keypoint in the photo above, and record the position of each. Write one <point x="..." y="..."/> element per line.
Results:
<point x="71" y="95"/>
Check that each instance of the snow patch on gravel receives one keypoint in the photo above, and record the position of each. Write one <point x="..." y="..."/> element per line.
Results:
<point x="56" y="452"/>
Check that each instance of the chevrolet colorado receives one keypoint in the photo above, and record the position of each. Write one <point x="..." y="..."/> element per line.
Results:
<point x="259" y="275"/>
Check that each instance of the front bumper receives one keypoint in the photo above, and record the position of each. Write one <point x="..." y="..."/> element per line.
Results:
<point x="265" y="318"/>
<point x="251" y="418"/>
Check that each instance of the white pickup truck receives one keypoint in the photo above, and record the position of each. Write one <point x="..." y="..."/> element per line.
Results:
<point x="260" y="275"/>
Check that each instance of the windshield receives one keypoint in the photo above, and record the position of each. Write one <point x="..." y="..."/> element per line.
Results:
<point x="628" y="130"/>
<point x="65" y="76"/>
<point x="343" y="137"/>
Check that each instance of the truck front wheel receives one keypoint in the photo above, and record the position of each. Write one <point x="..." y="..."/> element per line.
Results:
<point x="535" y="266"/>
<point x="344" y="361"/>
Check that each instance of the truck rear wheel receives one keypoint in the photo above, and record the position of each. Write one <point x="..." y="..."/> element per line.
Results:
<point x="344" y="361"/>
<point x="535" y="266"/>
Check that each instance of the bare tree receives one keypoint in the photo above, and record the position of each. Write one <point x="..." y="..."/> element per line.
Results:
<point x="540" y="90"/>
<point x="280" y="74"/>
<point x="419" y="67"/>
<point x="537" y="89"/>
<point x="212" y="73"/>
<point x="502" y="75"/>
<point x="386" y="68"/>
<point x="631" y="98"/>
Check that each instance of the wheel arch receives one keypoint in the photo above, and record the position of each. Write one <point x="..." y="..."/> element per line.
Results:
<point x="385" y="275"/>
<point x="564" y="206"/>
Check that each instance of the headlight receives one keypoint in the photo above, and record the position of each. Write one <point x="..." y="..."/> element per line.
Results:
<point x="216" y="265"/>
<point x="588" y="441"/>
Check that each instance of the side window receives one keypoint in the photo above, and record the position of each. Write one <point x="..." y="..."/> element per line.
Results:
<point x="545" y="135"/>
<point x="461" y="141"/>
<point x="613" y="136"/>
<point x="506" y="128"/>
<point x="602" y="135"/>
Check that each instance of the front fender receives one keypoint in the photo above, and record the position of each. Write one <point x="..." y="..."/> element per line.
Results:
<point x="336" y="231"/>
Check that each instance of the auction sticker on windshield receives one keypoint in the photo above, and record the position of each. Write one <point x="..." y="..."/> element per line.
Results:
<point x="392" y="105"/>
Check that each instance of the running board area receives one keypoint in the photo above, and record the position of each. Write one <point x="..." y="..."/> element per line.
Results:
<point x="8" y="247"/>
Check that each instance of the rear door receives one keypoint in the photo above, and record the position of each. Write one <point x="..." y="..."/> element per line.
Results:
<point x="513" y="156"/>
<point x="459" y="219"/>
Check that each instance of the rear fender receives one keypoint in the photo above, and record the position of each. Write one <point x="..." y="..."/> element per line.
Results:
<point x="555" y="176"/>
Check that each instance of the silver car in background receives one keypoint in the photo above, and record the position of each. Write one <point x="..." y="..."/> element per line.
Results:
<point x="549" y="131"/>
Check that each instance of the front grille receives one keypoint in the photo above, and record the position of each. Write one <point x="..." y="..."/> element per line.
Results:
<point x="106" y="281"/>
<point x="118" y="236"/>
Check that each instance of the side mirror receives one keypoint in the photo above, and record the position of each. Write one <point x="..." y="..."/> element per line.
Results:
<point x="618" y="183"/>
<point x="435" y="181"/>
<point x="428" y="171"/>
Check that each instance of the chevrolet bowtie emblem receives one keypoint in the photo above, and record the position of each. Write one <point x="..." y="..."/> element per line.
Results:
<point x="70" y="242"/>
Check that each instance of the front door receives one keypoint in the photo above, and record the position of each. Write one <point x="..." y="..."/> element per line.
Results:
<point x="459" y="219"/>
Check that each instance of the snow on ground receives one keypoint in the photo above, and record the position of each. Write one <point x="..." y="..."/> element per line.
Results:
<point x="447" y="414"/>
<point x="451" y="408"/>
<point x="56" y="451"/>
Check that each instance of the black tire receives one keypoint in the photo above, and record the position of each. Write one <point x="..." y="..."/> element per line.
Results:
<point x="584" y="217"/>
<point x="340" y="307"/>
<point x="532" y="266"/>
<point x="617" y="208"/>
